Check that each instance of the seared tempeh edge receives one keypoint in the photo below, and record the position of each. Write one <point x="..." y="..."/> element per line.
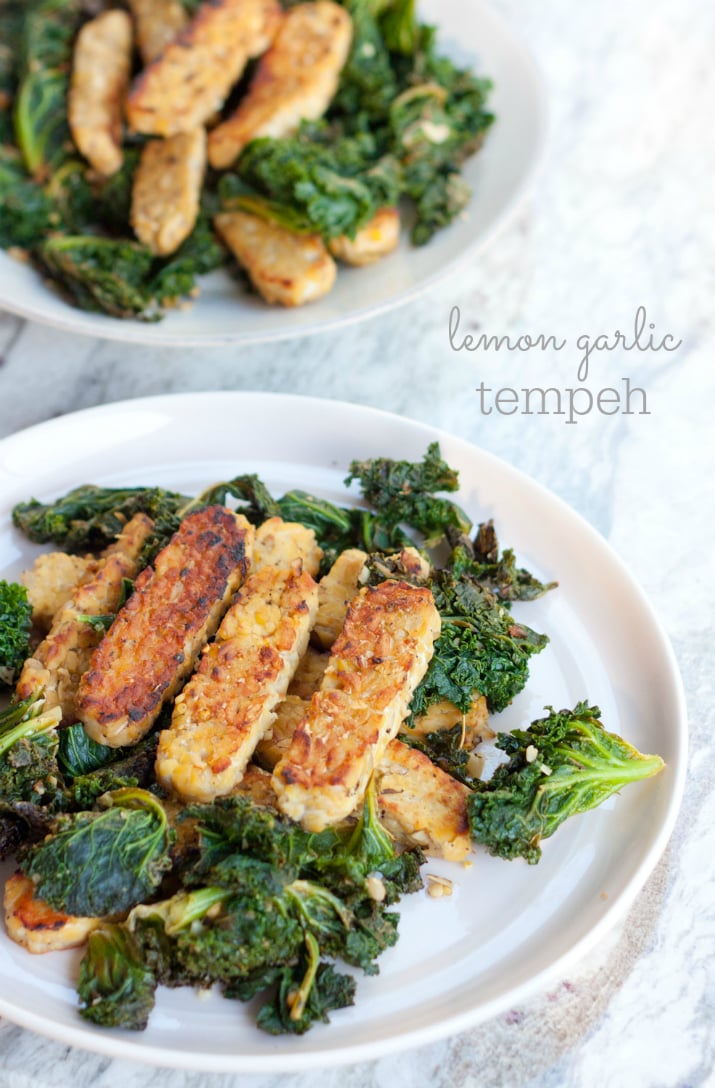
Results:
<point x="100" y="76"/>
<point x="229" y="703"/>
<point x="156" y="638"/>
<point x="335" y="592"/>
<point x="167" y="190"/>
<point x="191" y="79"/>
<point x="294" y="81"/>
<point x="156" y="23"/>
<point x="64" y="655"/>
<point x="375" y="240"/>
<point x="280" y="543"/>
<point x="36" y="925"/>
<point x="287" y="268"/>
<point x="375" y="665"/>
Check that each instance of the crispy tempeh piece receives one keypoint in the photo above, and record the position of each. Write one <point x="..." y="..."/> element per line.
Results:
<point x="336" y="590"/>
<point x="157" y="636"/>
<point x="309" y="674"/>
<point x="228" y="705"/>
<point x="167" y="190"/>
<point x="373" y="241"/>
<point x="156" y="23"/>
<point x="295" y="80"/>
<point x="445" y="715"/>
<point x="287" y="268"/>
<point x="51" y="581"/>
<point x="64" y="655"/>
<point x="276" y="743"/>
<point x="280" y="543"/>
<point x="375" y="665"/>
<point x="100" y="76"/>
<point x="191" y="79"/>
<point x="421" y="804"/>
<point x="36" y="925"/>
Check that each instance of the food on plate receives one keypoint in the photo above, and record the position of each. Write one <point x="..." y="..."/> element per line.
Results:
<point x="295" y="80"/>
<point x="249" y="815"/>
<point x="51" y="581"/>
<point x="15" y="627"/>
<point x="100" y="75"/>
<point x="348" y="112"/>
<point x="166" y="195"/>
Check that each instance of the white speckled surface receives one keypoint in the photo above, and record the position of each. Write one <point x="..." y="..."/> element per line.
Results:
<point x="623" y="217"/>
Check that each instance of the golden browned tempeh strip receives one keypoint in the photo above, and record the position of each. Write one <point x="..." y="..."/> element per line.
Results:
<point x="373" y="241"/>
<point x="36" y="925"/>
<point x="285" y="267"/>
<point x="280" y="543"/>
<point x="276" y="743"/>
<point x="64" y="655"/>
<point x="51" y="581"/>
<point x="295" y="80"/>
<point x="422" y="805"/>
<point x="100" y="76"/>
<point x="175" y="608"/>
<point x="167" y="190"/>
<point x="375" y="664"/>
<point x="228" y="705"/>
<point x="335" y="592"/>
<point x="309" y="674"/>
<point x="445" y="715"/>
<point x="191" y="79"/>
<point x="156" y="23"/>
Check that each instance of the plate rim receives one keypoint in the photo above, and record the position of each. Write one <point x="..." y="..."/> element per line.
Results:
<point x="74" y="320"/>
<point x="125" y="1049"/>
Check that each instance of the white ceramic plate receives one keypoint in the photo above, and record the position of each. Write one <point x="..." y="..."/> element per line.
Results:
<point x="508" y="927"/>
<point x="471" y="33"/>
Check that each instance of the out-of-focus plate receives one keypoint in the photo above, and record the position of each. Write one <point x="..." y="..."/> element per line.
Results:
<point x="472" y="33"/>
<point x="508" y="927"/>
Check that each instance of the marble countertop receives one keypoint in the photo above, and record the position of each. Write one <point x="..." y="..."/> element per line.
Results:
<point x="622" y="218"/>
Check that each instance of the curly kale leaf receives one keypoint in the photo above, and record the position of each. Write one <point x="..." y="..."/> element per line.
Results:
<point x="108" y="275"/>
<point x="561" y="765"/>
<point x="28" y="753"/>
<point x="89" y="518"/>
<point x="254" y="500"/>
<point x="124" y="768"/>
<point x="116" y="988"/>
<point x="367" y="83"/>
<point x="403" y="492"/>
<point x="175" y="277"/>
<point x="482" y="561"/>
<point x="446" y="750"/>
<point x="15" y="625"/>
<point x="307" y="991"/>
<point x="481" y="649"/>
<point x="104" y="862"/>
<point x="26" y="213"/>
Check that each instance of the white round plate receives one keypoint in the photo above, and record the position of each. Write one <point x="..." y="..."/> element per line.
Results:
<point x="473" y="34"/>
<point x="509" y="927"/>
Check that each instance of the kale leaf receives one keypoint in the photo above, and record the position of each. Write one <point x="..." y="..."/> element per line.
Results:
<point x="307" y="991"/>
<point x="116" y="988"/>
<point x="481" y="560"/>
<point x="561" y="765"/>
<point x="15" y="624"/>
<point x="103" y="862"/>
<point x="28" y="752"/>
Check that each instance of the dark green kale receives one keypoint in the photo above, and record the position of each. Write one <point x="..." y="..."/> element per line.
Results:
<point x="446" y="750"/>
<point x="103" y="862"/>
<point x="481" y="649"/>
<point x="102" y="274"/>
<point x="307" y="991"/>
<point x="89" y="518"/>
<point x="403" y="492"/>
<point x="481" y="560"/>
<point x="337" y="188"/>
<point x="26" y="212"/>
<point x="79" y="754"/>
<point x="561" y="765"/>
<point x="22" y="822"/>
<point x="123" y="769"/>
<point x="400" y="28"/>
<point x="368" y="83"/>
<point x="175" y="277"/>
<point x="116" y="988"/>
<point x="11" y="20"/>
<point x="15" y="625"/>
<point x="28" y="752"/>
<point x="254" y="500"/>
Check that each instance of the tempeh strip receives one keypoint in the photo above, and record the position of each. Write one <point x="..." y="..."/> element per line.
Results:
<point x="156" y="638"/>
<point x="156" y="22"/>
<point x="375" y="665"/>
<point x="64" y="655"/>
<point x="167" y="190"/>
<point x="280" y="543"/>
<point x="100" y="76"/>
<point x="375" y="240"/>
<point x="36" y="925"/>
<point x="191" y="79"/>
<point x="228" y="705"/>
<point x="295" y="80"/>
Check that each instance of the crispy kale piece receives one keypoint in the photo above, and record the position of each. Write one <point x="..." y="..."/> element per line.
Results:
<point x="28" y="752"/>
<point x="102" y="274"/>
<point x="123" y="768"/>
<point x="368" y="83"/>
<point x="481" y="560"/>
<point x="403" y="492"/>
<point x="10" y="46"/>
<point x="254" y="500"/>
<point x="103" y="862"/>
<point x="336" y="187"/>
<point x="481" y="648"/>
<point x="89" y="518"/>
<point x="175" y="277"/>
<point x="26" y="212"/>
<point x="116" y="988"/>
<point x="561" y="765"/>
<point x="15" y="624"/>
<point x="446" y="750"/>
<point x="307" y="991"/>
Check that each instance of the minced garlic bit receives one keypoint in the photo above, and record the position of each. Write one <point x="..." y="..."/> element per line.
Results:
<point x="545" y="770"/>
<point x="203" y="993"/>
<point x="531" y="753"/>
<point x="437" y="886"/>
<point x="375" y="887"/>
